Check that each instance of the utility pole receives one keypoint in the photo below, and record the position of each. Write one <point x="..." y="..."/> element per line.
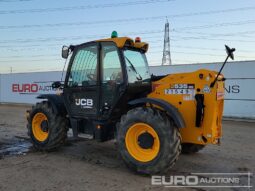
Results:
<point x="166" y="60"/>
<point x="11" y="70"/>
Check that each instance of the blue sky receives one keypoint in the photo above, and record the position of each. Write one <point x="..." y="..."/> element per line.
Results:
<point x="199" y="29"/>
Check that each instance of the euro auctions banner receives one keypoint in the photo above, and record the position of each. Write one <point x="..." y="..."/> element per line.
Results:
<point x="25" y="87"/>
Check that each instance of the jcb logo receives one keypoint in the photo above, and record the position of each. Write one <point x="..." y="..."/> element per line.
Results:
<point x="84" y="103"/>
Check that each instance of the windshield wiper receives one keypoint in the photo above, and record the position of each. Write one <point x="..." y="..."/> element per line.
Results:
<point x="133" y="68"/>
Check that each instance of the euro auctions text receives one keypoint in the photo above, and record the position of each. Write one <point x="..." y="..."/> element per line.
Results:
<point x="217" y="180"/>
<point x="31" y="88"/>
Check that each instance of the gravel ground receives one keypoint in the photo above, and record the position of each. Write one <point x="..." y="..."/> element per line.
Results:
<point x="89" y="165"/>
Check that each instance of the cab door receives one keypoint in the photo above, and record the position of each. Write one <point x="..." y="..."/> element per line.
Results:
<point x="81" y="93"/>
<point x="112" y="78"/>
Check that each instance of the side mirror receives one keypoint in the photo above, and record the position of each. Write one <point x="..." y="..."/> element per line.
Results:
<point x="230" y="51"/>
<point x="56" y="85"/>
<point x="65" y="52"/>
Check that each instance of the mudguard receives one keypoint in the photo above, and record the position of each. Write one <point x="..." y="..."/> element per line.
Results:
<point x="169" y="108"/>
<point x="56" y="101"/>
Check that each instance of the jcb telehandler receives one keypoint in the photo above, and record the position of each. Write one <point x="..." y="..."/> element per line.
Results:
<point x="109" y="93"/>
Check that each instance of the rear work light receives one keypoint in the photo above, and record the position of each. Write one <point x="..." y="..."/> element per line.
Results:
<point x="137" y="39"/>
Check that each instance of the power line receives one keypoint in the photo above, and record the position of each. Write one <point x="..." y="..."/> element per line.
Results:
<point x="205" y="48"/>
<point x="219" y="34"/>
<point x="32" y="56"/>
<point x="41" y="39"/>
<point x="196" y="53"/>
<point x="152" y="47"/>
<point x="202" y="54"/>
<point x="180" y="38"/>
<point x="214" y="39"/>
<point x="35" y="60"/>
<point x="125" y="19"/>
<point x="151" y="52"/>
<point x="74" y="37"/>
<point x="70" y="24"/>
<point x="130" y="33"/>
<point x="145" y="37"/>
<point x="145" y="32"/>
<point x="130" y="3"/>
<point x="217" y="25"/>
<point x="11" y="1"/>
<point x="29" y="46"/>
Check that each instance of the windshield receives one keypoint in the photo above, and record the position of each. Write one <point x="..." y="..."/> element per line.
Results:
<point x="137" y="66"/>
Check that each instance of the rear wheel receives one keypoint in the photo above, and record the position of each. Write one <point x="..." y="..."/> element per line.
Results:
<point x="189" y="148"/>
<point x="46" y="129"/>
<point x="148" y="140"/>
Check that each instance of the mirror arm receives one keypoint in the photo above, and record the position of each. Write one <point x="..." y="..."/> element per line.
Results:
<point x="57" y="85"/>
<point x="214" y="81"/>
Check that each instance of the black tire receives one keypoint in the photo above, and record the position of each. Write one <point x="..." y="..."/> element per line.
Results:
<point x="189" y="148"/>
<point x="57" y="127"/>
<point x="169" y="137"/>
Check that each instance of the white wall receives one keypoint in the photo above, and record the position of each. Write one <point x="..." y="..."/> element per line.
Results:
<point x="239" y="94"/>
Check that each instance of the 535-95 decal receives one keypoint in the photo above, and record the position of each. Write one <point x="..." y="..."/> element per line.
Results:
<point x="181" y="89"/>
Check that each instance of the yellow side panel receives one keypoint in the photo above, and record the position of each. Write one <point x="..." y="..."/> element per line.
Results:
<point x="180" y="90"/>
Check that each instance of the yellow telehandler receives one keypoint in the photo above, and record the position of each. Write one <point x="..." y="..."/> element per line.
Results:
<point x="109" y="93"/>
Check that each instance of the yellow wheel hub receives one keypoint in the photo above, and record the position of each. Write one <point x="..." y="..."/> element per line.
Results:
<point x="142" y="142"/>
<point x="40" y="127"/>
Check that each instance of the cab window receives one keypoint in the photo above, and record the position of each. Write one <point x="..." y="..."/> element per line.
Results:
<point x="137" y="66"/>
<point x="84" y="67"/>
<point x="111" y="64"/>
<point x="111" y="74"/>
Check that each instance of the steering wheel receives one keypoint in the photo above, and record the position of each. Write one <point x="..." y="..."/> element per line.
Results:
<point x="116" y="76"/>
<point x="91" y="77"/>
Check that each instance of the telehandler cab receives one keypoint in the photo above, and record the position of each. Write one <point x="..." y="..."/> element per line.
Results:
<point x="109" y="93"/>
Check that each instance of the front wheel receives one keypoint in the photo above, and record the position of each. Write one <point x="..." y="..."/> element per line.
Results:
<point x="46" y="129"/>
<point x="148" y="140"/>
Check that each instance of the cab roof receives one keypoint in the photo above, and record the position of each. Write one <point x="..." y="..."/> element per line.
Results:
<point x="126" y="41"/>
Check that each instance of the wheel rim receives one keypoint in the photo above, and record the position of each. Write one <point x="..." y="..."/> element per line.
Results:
<point x="138" y="150"/>
<point x="40" y="127"/>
